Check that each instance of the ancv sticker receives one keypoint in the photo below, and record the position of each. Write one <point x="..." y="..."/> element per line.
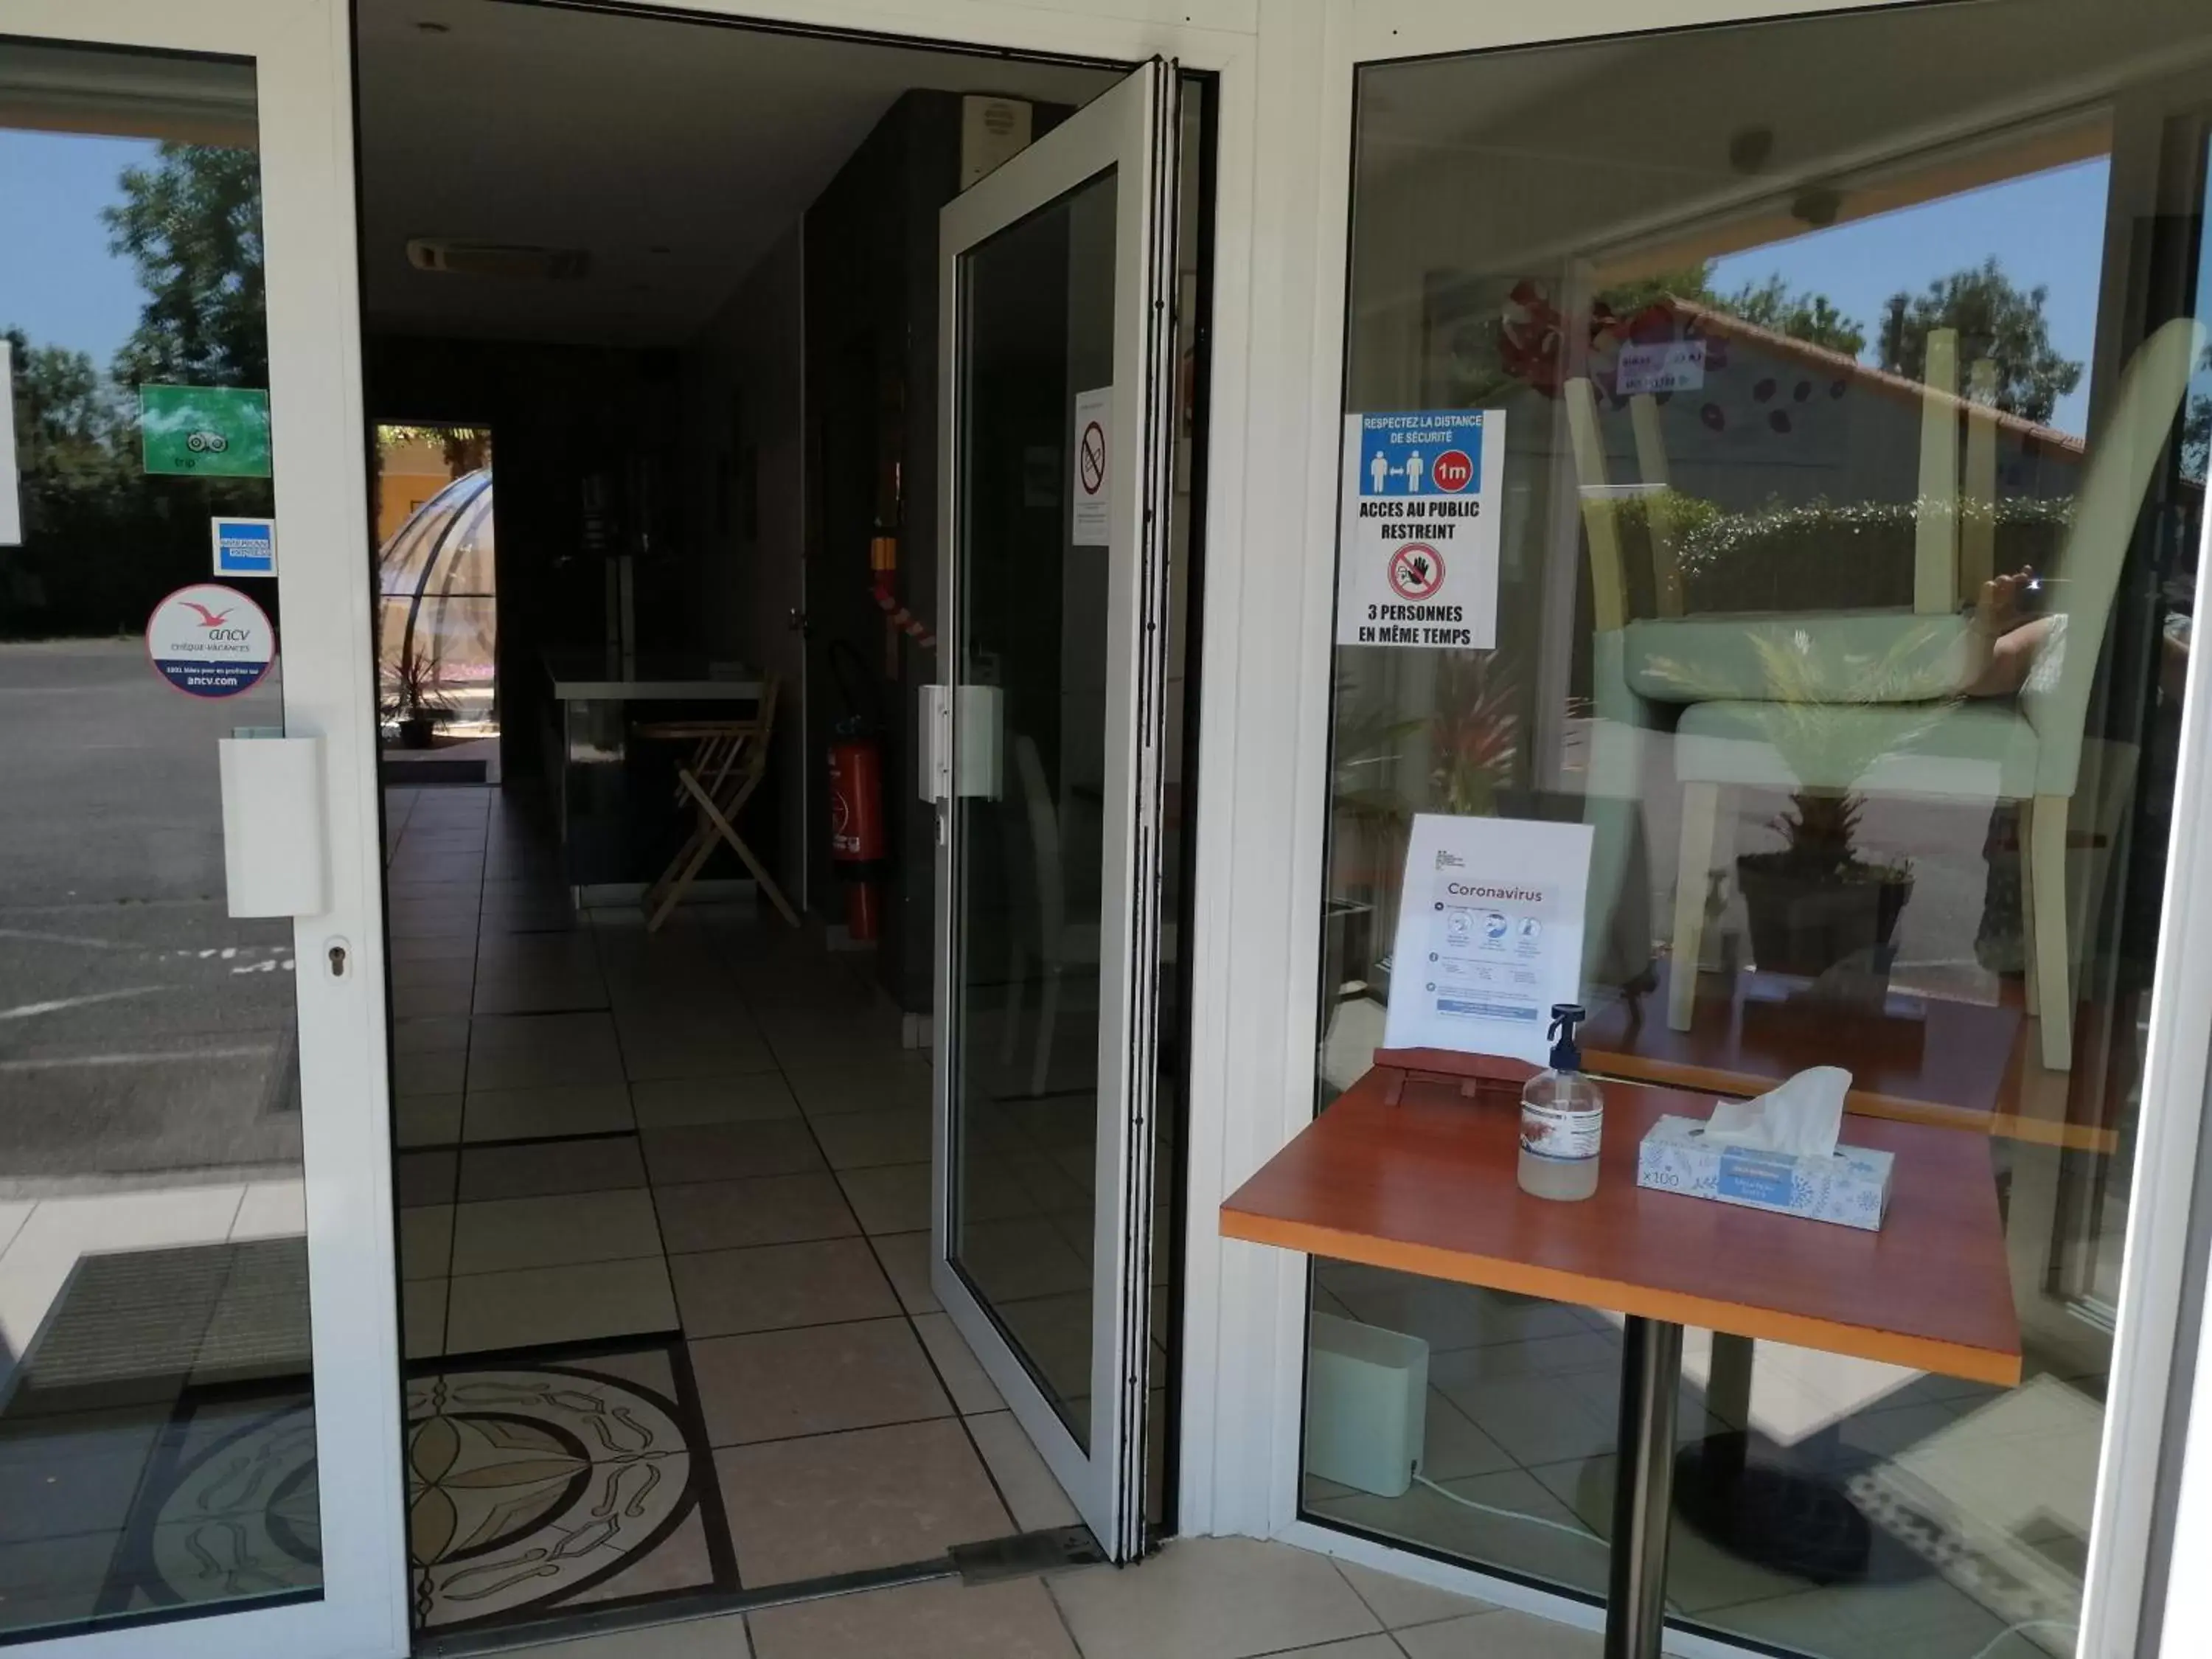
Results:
<point x="1418" y="535"/>
<point x="208" y="641"/>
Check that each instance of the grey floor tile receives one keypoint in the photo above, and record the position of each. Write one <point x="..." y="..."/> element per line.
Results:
<point x="1399" y="1602"/>
<point x="941" y="1621"/>
<point x="1032" y="1492"/>
<point x="906" y="1258"/>
<point x="676" y="1102"/>
<point x="715" y="1215"/>
<point x="817" y="1380"/>
<point x="891" y="1199"/>
<point x="771" y="1287"/>
<point x="853" y="1140"/>
<point x="538" y="1305"/>
<point x="847" y="1502"/>
<point x="1505" y="1631"/>
<point x="540" y="1169"/>
<point x="553" y="1113"/>
<point x="1211" y="1598"/>
<point x="425" y="1120"/>
<point x="963" y="1373"/>
<point x="501" y="1234"/>
<point x="829" y="1089"/>
<point x="426" y="1242"/>
<point x="730" y="1151"/>
<point x="525" y="1051"/>
<point x="425" y="1177"/>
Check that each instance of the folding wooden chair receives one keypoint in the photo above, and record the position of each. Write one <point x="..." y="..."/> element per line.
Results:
<point x="728" y="760"/>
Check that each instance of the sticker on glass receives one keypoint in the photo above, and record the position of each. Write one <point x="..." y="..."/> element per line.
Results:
<point x="208" y="641"/>
<point x="1419" y="534"/>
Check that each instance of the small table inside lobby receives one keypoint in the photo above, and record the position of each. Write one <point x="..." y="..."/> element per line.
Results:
<point x="612" y="831"/>
<point x="1429" y="1187"/>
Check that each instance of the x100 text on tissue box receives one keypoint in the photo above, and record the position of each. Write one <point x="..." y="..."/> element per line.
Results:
<point x="1778" y="1153"/>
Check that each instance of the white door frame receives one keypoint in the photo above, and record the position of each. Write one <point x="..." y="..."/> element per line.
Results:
<point x="302" y="55"/>
<point x="1130" y="132"/>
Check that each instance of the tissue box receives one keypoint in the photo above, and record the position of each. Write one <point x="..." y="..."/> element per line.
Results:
<point x="1848" y="1185"/>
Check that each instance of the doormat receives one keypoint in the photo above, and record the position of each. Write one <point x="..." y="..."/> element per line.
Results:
<point x="559" y="1479"/>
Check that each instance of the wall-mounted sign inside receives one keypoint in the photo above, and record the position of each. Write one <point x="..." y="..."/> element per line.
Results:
<point x="207" y="431"/>
<point x="208" y="641"/>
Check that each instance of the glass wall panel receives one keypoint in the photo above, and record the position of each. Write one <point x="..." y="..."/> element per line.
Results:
<point x="1855" y="403"/>
<point x="157" y="1446"/>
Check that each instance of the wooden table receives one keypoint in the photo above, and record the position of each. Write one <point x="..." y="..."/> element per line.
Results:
<point x="1429" y="1187"/>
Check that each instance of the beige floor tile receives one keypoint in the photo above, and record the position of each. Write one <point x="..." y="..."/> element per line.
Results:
<point x="675" y="1103"/>
<point x="1399" y="1602"/>
<point x="775" y="1286"/>
<point x="529" y="1051"/>
<point x="714" y="1215"/>
<point x="547" y="1114"/>
<point x="438" y="1072"/>
<point x="426" y="1120"/>
<point x="1504" y="1634"/>
<point x="964" y="1378"/>
<point x="829" y="1089"/>
<point x="815" y="1380"/>
<point x="430" y="1036"/>
<point x="505" y="1234"/>
<point x="424" y="1177"/>
<point x="539" y="1305"/>
<point x="541" y="1169"/>
<point x="422" y="1319"/>
<point x="729" y="1151"/>
<point x="906" y="1258"/>
<point x="697" y="1638"/>
<point x="1025" y="1480"/>
<point x="1360" y="1647"/>
<point x="855" y="1140"/>
<point x="894" y="1200"/>
<point x="1211" y="1598"/>
<point x="426" y="1242"/>
<point x="940" y="1621"/>
<point x="845" y="1503"/>
<point x="270" y="1209"/>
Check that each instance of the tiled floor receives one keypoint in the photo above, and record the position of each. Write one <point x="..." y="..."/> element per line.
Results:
<point x="711" y="1136"/>
<point x="1200" y="1599"/>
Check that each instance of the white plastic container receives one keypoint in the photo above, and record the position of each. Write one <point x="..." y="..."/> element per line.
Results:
<point x="1367" y="1394"/>
<point x="1562" y="1119"/>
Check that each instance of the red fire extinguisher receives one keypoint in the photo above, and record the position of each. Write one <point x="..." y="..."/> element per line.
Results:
<point x="856" y="824"/>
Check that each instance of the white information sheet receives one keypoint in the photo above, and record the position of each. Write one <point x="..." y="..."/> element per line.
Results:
<point x="1489" y="934"/>
<point x="1419" y="498"/>
<point x="1091" y="524"/>
<point x="11" y="501"/>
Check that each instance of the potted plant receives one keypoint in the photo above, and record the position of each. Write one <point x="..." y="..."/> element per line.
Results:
<point x="1818" y="905"/>
<point x="414" y="699"/>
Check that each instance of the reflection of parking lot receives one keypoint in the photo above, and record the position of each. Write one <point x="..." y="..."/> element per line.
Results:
<point x="141" y="1030"/>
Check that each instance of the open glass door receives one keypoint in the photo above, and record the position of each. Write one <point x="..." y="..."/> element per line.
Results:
<point x="1056" y="308"/>
<point x="199" y="1447"/>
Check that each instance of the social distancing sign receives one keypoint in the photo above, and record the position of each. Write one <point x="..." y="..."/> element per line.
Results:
<point x="1418" y="537"/>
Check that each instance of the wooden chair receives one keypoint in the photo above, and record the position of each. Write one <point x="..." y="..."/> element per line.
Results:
<point x="728" y="760"/>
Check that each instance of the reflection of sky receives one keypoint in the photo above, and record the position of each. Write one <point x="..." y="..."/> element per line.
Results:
<point x="2046" y="228"/>
<point x="58" y="282"/>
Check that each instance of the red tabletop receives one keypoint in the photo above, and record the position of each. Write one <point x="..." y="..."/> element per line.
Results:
<point x="1429" y="1187"/>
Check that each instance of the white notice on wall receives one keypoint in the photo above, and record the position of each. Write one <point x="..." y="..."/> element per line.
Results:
<point x="1489" y="934"/>
<point x="1094" y="427"/>
<point x="11" y="501"/>
<point x="1418" y="537"/>
<point x="1662" y="366"/>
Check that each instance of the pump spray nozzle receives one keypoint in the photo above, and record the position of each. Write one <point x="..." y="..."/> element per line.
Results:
<point x="1566" y="1054"/>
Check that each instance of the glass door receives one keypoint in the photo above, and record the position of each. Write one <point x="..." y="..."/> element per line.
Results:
<point x="1054" y="341"/>
<point x="199" y="1406"/>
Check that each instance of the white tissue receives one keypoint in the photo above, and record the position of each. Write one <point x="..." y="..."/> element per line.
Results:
<point x="1800" y="1116"/>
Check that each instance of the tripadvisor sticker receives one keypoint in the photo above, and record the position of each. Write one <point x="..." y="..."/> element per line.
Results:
<point x="209" y="431"/>
<point x="208" y="641"/>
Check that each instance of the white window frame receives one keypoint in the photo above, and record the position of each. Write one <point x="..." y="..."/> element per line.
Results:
<point x="1267" y="903"/>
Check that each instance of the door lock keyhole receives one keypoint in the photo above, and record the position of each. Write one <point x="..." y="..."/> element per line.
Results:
<point x="338" y="960"/>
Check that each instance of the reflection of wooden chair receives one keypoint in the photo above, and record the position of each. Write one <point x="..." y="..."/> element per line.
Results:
<point x="2028" y="750"/>
<point x="728" y="760"/>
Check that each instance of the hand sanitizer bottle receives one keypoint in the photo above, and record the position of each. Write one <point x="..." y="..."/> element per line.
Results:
<point x="1562" y="1118"/>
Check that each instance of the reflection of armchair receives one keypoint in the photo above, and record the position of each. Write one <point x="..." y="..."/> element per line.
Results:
<point x="2028" y="750"/>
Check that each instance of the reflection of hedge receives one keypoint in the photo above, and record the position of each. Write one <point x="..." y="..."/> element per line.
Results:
<point x="1824" y="556"/>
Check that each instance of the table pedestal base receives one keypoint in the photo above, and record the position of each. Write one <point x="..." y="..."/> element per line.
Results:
<point x="1780" y="1519"/>
<point x="1643" y="1493"/>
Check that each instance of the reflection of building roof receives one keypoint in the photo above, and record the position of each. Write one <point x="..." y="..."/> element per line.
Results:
<point x="1825" y="360"/>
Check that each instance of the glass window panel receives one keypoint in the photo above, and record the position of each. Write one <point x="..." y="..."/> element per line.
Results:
<point x="153" y="1329"/>
<point x="1856" y="420"/>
